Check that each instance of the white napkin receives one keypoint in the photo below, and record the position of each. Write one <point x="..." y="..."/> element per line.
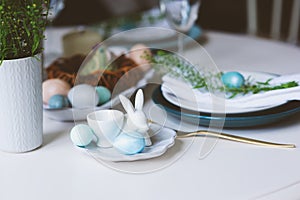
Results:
<point x="180" y="92"/>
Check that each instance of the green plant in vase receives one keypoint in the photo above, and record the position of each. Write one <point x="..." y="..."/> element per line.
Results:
<point x="22" y="28"/>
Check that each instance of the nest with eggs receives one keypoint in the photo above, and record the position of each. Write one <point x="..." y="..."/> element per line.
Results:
<point x="68" y="69"/>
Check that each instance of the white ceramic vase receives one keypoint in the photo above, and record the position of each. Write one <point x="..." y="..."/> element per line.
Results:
<point x="21" y="105"/>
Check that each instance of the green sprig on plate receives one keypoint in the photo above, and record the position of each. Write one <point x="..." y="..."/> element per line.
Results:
<point x="168" y="63"/>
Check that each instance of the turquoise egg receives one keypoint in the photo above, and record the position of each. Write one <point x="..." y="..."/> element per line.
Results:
<point x="233" y="79"/>
<point x="81" y="135"/>
<point x="129" y="143"/>
<point x="104" y="94"/>
<point x="58" y="101"/>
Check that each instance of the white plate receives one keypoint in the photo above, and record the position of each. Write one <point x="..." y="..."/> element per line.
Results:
<point x="76" y="114"/>
<point x="72" y="114"/>
<point x="181" y="94"/>
<point x="142" y="34"/>
<point x="154" y="37"/>
<point x="162" y="139"/>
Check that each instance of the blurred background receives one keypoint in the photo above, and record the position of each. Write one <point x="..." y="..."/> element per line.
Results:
<point x="220" y="15"/>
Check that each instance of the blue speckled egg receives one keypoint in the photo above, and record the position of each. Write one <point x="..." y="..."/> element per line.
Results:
<point x="58" y="101"/>
<point x="104" y="94"/>
<point x="81" y="135"/>
<point x="233" y="79"/>
<point x="129" y="143"/>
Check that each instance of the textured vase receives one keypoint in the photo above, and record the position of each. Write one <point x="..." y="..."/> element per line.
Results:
<point x="21" y="105"/>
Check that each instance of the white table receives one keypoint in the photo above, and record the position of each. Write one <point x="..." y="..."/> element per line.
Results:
<point x="58" y="170"/>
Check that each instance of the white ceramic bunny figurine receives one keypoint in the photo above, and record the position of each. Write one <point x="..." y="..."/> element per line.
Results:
<point x="136" y="120"/>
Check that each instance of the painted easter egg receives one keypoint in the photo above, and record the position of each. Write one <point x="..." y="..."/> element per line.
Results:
<point x="58" y="101"/>
<point x="83" y="96"/>
<point x="233" y="79"/>
<point x="104" y="94"/>
<point x="54" y="86"/>
<point x="129" y="143"/>
<point x="95" y="61"/>
<point x="137" y="54"/>
<point x="81" y="135"/>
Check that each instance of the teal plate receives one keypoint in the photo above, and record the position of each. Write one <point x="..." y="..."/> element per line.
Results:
<point x="239" y="120"/>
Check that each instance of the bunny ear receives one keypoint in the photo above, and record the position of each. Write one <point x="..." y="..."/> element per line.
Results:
<point x="127" y="105"/>
<point x="139" y="100"/>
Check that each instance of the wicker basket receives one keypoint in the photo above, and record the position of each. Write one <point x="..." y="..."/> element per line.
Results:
<point x="67" y="69"/>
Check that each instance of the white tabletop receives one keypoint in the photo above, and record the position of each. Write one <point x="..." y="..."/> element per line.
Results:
<point x="58" y="170"/>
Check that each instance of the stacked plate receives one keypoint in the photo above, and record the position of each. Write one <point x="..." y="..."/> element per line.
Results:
<point x="180" y="100"/>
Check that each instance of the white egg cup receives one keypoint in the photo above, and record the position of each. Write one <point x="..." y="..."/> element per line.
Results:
<point x="107" y="125"/>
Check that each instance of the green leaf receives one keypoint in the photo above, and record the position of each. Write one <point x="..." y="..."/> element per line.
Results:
<point x="175" y="66"/>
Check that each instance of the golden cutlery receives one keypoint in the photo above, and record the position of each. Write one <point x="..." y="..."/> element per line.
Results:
<point x="235" y="138"/>
<point x="230" y="137"/>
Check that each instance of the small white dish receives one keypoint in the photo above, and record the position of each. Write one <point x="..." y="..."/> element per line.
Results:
<point x="162" y="139"/>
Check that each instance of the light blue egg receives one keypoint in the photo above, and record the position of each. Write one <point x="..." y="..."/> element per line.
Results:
<point x="104" y="94"/>
<point x="81" y="135"/>
<point x="233" y="79"/>
<point x="129" y="143"/>
<point x="58" y="101"/>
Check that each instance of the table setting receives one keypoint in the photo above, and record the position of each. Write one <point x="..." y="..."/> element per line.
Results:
<point x="143" y="107"/>
<point x="177" y="91"/>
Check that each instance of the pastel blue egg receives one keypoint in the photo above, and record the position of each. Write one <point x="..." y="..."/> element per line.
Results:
<point x="233" y="79"/>
<point x="81" y="135"/>
<point x="58" y="101"/>
<point x="129" y="143"/>
<point x="104" y="94"/>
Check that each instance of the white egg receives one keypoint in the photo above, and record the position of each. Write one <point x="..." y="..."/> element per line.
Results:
<point x="81" y="135"/>
<point x="83" y="96"/>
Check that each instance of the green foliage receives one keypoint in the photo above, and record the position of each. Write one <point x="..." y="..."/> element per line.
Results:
<point x="258" y="87"/>
<point x="22" y="27"/>
<point x="175" y="66"/>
